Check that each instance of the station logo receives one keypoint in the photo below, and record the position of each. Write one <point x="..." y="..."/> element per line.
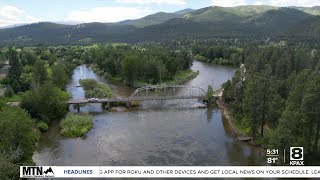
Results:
<point x="296" y="156"/>
<point x="36" y="171"/>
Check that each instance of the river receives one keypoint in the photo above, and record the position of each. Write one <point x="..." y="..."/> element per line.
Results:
<point x="157" y="133"/>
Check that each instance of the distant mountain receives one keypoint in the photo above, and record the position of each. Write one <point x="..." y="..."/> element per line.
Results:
<point x="253" y="9"/>
<point x="156" y="18"/>
<point x="241" y="21"/>
<point x="11" y="26"/>
<point x="152" y="19"/>
<point x="310" y="10"/>
<point x="216" y="13"/>
<point x="180" y="28"/>
<point x="52" y="33"/>
<point x="277" y="20"/>
<point x="309" y="28"/>
<point x="225" y="22"/>
<point x="184" y="11"/>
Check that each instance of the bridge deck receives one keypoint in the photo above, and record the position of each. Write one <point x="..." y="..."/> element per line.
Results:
<point x="145" y="98"/>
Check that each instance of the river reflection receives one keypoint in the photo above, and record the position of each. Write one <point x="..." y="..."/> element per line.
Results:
<point x="157" y="133"/>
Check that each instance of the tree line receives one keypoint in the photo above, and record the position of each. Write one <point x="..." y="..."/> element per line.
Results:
<point x="275" y="95"/>
<point x="218" y="54"/>
<point x="39" y="77"/>
<point x="137" y="65"/>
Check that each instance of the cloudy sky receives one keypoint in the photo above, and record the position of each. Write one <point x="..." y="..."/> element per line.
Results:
<point x="29" y="11"/>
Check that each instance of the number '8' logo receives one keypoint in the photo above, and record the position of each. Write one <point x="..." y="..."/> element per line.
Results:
<point x="296" y="153"/>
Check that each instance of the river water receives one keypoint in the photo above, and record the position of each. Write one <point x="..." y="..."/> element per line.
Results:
<point x="157" y="133"/>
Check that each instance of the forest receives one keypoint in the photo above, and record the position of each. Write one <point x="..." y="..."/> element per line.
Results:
<point x="274" y="97"/>
<point x="36" y="80"/>
<point x="217" y="54"/>
<point x="138" y="66"/>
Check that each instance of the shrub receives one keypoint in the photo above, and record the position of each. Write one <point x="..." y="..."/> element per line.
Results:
<point x="88" y="84"/>
<point x="76" y="125"/>
<point x="8" y="92"/>
<point x="43" y="127"/>
<point x="95" y="89"/>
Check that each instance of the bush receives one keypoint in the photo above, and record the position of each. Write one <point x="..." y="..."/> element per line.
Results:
<point x="43" y="127"/>
<point x="95" y="89"/>
<point x="8" y="92"/>
<point x="88" y="84"/>
<point x="76" y="125"/>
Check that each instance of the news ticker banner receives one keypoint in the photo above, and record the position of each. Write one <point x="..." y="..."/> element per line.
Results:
<point x="170" y="171"/>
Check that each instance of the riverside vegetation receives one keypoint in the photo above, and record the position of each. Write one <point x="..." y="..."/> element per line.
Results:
<point x="94" y="88"/>
<point x="274" y="97"/>
<point x="138" y="66"/>
<point x="76" y="125"/>
<point x="37" y="80"/>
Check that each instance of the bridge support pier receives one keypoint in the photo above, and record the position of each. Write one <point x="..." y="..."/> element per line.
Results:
<point x="128" y="104"/>
<point x="77" y="106"/>
<point x="106" y="105"/>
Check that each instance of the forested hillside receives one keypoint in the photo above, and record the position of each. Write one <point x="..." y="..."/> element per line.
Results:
<point x="309" y="28"/>
<point x="209" y="22"/>
<point x="51" y="33"/>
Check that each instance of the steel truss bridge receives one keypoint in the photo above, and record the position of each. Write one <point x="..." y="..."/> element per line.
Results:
<point x="148" y="93"/>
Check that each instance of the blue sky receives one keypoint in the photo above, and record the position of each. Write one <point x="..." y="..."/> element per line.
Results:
<point x="29" y="11"/>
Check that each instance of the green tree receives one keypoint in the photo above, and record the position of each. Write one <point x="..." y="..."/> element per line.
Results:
<point x="88" y="84"/>
<point x="28" y="57"/>
<point x="266" y="92"/>
<point x="16" y="86"/>
<point x="60" y="77"/>
<point x="45" y="102"/>
<point x="16" y="66"/>
<point x="292" y="124"/>
<point x="40" y="74"/>
<point x="209" y="95"/>
<point x="311" y="108"/>
<point x="252" y="103"/>
<point x="15" y="70"/>
<point x="18" y="139"/>
<point x="8" y="92"/>
<point x="131" y="68"/>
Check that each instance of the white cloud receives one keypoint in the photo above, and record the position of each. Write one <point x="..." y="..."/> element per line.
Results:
<point x="171" y="2"/>
<point x="259" y="3"/>
<point x="281" y="3"/>
<point x="10" y="15"/>
<point x="107" y="14"/>
<point x="229" y="3"/>
<point x="306" y="3"/>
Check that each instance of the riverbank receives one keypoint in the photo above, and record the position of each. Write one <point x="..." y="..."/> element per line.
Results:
<point x="220" y="61"/>
<point x="226" y="113"/>
<point x="183" y="77"/>
<point x="240" y="135"/>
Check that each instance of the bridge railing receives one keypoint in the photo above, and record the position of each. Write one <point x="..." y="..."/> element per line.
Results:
<point x="202" y="92"/>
